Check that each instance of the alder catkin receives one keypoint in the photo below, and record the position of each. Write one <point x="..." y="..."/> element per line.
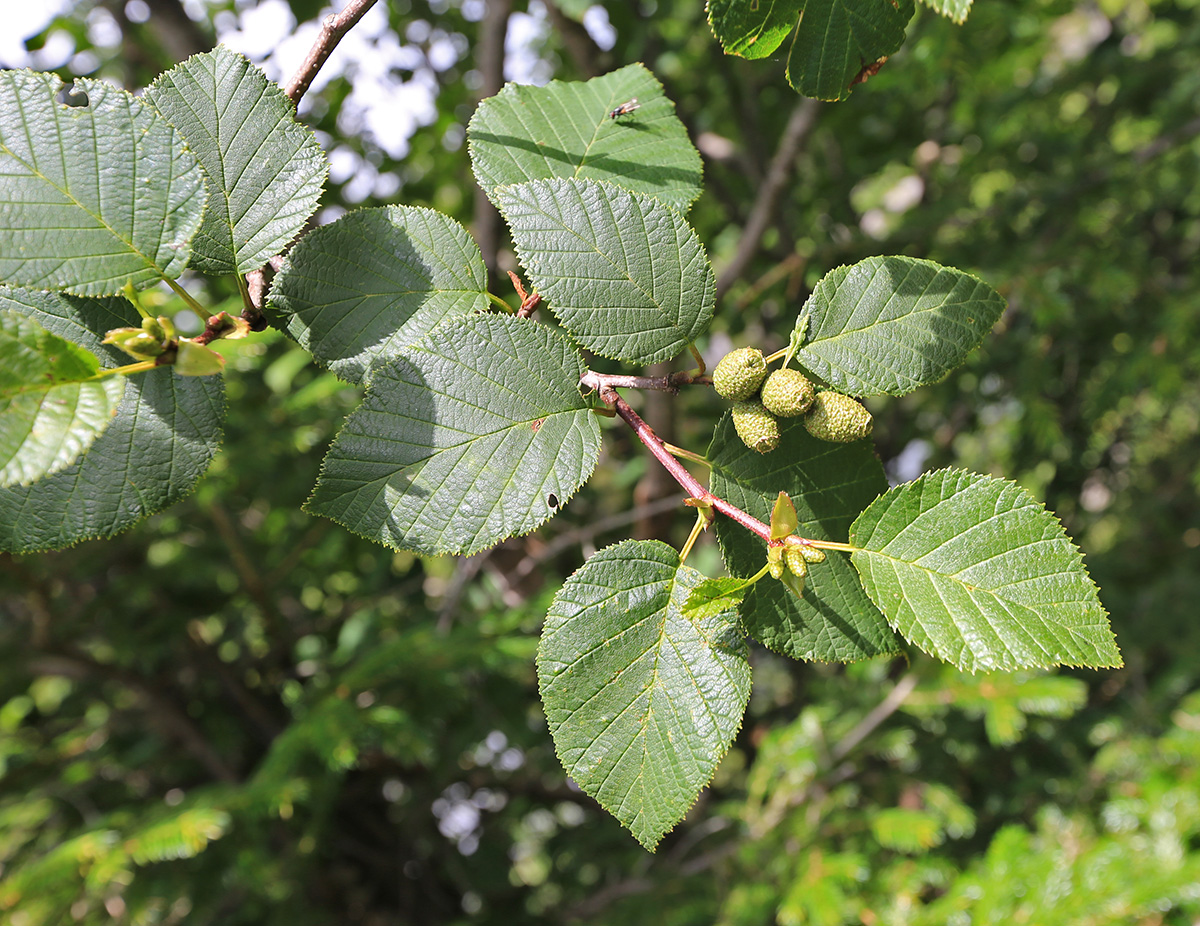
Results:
<point x="740" y="373"/>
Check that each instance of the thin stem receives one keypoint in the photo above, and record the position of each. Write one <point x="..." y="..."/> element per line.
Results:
<point x="686" y="454"/>
<point x="832" y="545"/>
<point x="677" y="470"/>
<point x="132" y="296"/>
<point x="699" y="358"/>
<point x="775" y="356"/>
<point x="500" y="303"/>
<point x="244" y="288"/>
<point x="187" y="297"/>
<point x="140" y="367"/>
<point x="669" y="383"/>
<point x="703" y="519"/>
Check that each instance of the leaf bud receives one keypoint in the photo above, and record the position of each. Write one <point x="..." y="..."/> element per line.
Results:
<point x="740" y="373"/>
<point x="811" y="554"/>
<point x="838" y="418"/>
<point x="787" y="393"/>
<point x="197" y="360"/>
<point x="135" y="342"/>
<point x="757" y="427"/>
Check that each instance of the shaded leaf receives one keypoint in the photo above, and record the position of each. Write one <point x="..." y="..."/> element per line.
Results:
<point x="91" y="197"/>
<point x="377" y="280"/>
<point x="563" y="130"/>
<point x="165" y="433"/>
<point x="642" y="702"/>
<point x="462" y="439"/>
<point x="973" y="570"/>
<point x="835" y="41"/>
<point x="626" y="275"/>
<point x="829" y="484"/>
<point x="264" y="169"/>
<point x="889" y="325"/>
<point x="51" y="410"/>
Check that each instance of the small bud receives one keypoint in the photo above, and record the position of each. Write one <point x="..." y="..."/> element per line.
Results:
<point x="756" y="426"/>
<point x="838" y="418"/>
<point x="794" y="559"/>
<point x="224" y="325"/>
<point x="135" y="342"/>
<point x="154" y="328"/>
<point x="197" y="360"/>
<point x="787" y="393"/>
<point x="740" y="373"/>
<point x="776" y="570"/>
<point x="811" y="554"/>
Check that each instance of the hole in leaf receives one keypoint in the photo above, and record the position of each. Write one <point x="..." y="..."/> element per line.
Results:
<point x="71" y="96"/>
<point x="552" y="500"/>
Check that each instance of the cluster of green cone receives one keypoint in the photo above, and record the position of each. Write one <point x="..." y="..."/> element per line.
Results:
<point x="761" y="400"/>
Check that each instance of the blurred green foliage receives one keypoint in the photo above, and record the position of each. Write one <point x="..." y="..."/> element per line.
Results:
<point x="239" y="714"/>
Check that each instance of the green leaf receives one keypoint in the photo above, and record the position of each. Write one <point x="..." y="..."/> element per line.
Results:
<point x="955" y="10"/>
<point x="91" y="197"/>
<point x="165" y="433"/>
<point x="836" y="41"/>
<point x="973" y="570"/>
<point x="625" y="274"/>
<point x="642" y="701"/>
<point x="712" y="596"/>
<point x="51" y="410"/>
<point x="889" y="325"/>
<point x="264" y="169"/>
<point x="411" y="269"/>
<point x="564" y="130"/>
<point x="829" y="484"/>
<point x="751" y="30"/>
<point x="476" y="434"/>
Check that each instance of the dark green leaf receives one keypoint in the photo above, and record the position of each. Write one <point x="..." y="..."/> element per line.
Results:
<point x="265" y="170"/>
<point x="889" y="325"/>
<point x="92" y="197"/>
<point x="835" y="41"/>
<point x="623" y="272"/>
<point x="642" y="701"/>
<point x="51" y="410"/>
<point x="462" y="439"/>
<point x="165" y="433"/>
<point x="564" y="130"/>
<point x="377" y="280"/>
<point x="829" y="484"/>
<point x="973" y="570"/>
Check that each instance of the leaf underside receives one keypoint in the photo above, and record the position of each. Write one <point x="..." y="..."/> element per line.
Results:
<point x="564" y="130"/>
<point x="973" y="570"/>
<point x="625" y="274"/>
<point x="835" y="44"/>
<point x="51" y="411"/>
<point x="889" y="325"/>
<point x="642" y="702"/>
<point x="475" y="434"/>
<point x="829" y="484"/>
<point x="265" y="170"/>
<point x="92" y="197"/>
<point x="165" y="433"/>
<point x="377" y="280"/>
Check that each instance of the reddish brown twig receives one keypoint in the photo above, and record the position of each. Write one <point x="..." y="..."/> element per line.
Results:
<point x="677" y="470"/>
